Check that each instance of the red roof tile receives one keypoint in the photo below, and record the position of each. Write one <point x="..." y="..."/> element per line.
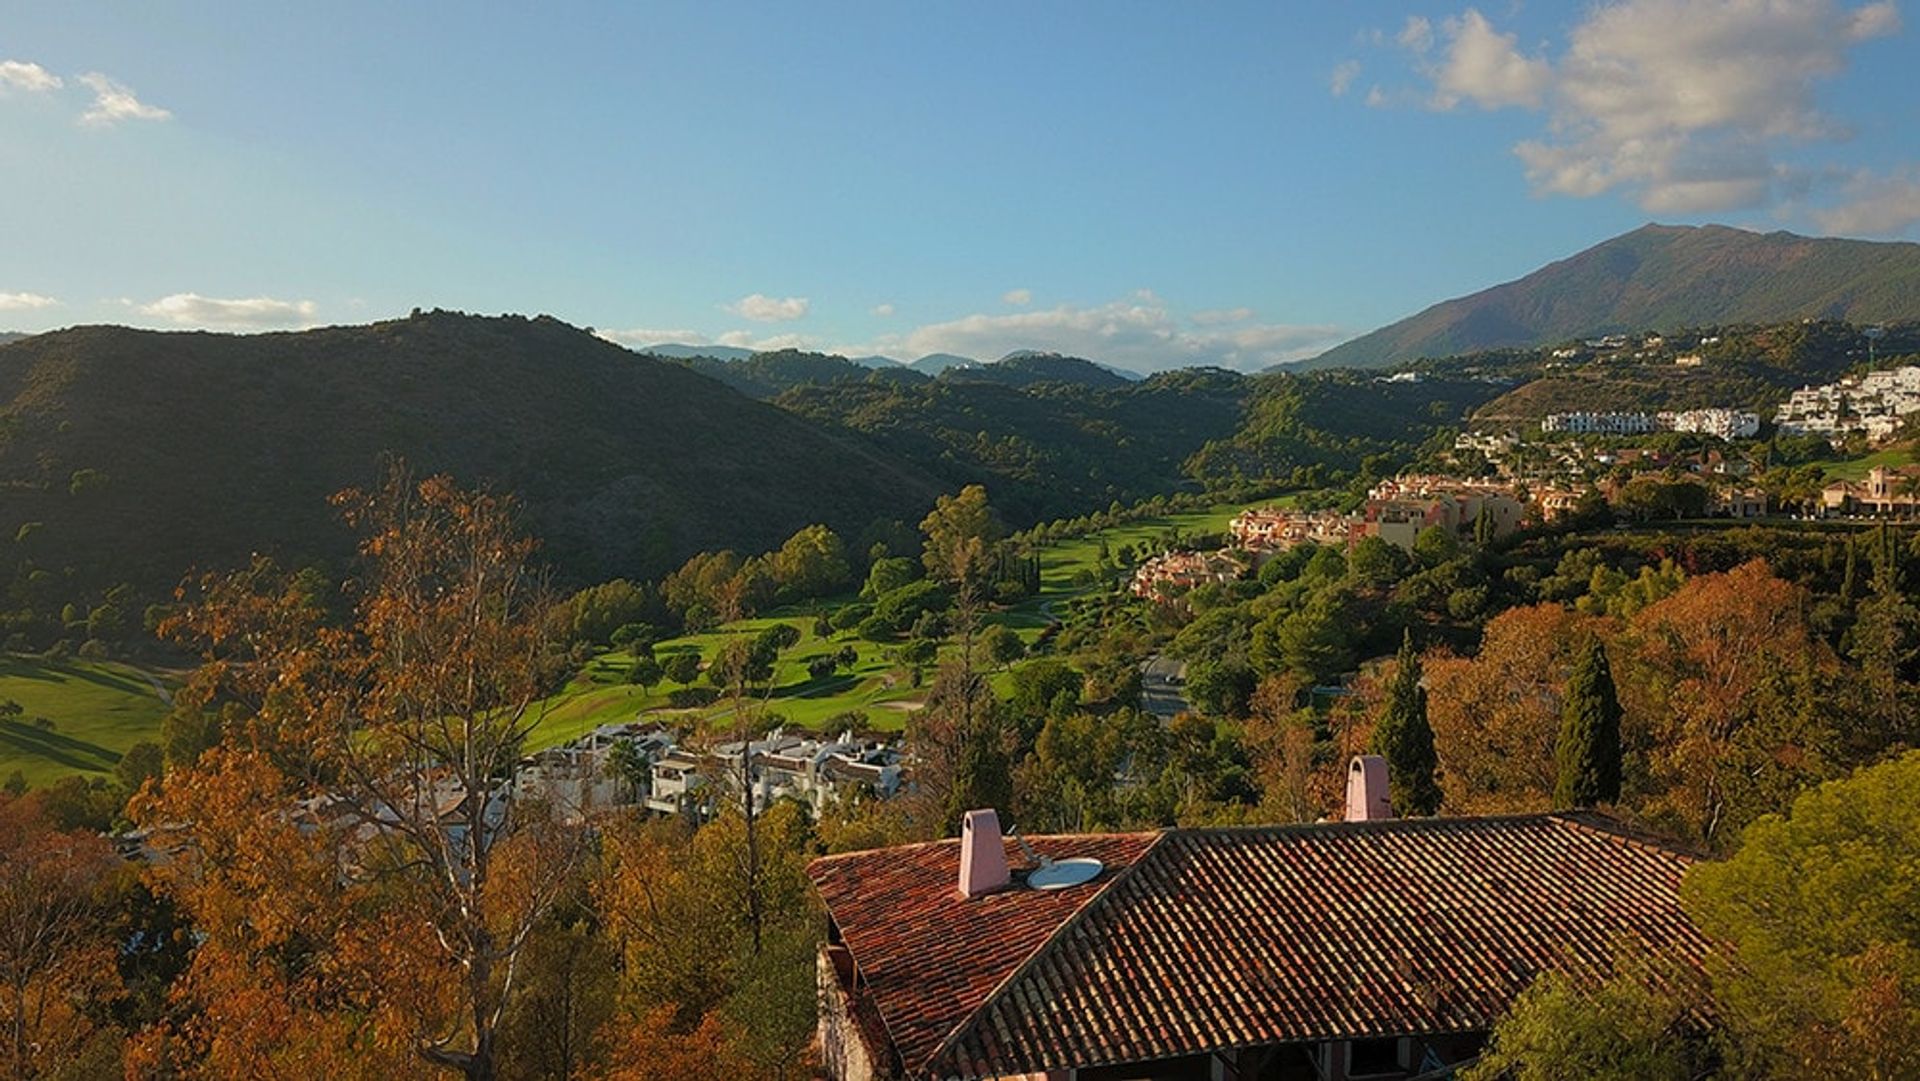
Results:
<point x="929" y="957"/>
<point x="1243" y="937"/>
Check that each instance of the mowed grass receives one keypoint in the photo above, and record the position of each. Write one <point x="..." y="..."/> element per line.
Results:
<point x="1854" y="469"/>
<point x="874" y="687"/>
<point x="881" y="692"/>
<point x="98" y="710"/>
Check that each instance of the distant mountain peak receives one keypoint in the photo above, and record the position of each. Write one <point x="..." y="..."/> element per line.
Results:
<point x="682" y="351"/>
<point x="935" y="363"/>
<point x="1658" y="277"/>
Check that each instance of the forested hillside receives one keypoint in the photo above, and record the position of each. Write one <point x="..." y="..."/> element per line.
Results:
<point x="137" y="455"/>
<point x="1045" y="451"/>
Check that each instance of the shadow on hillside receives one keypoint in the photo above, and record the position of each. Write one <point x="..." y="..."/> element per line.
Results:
<point x="70" y="752"/>
<point x="13" y="668"/>
<point x="818" y="688"/>
<point x="57" y="672"/>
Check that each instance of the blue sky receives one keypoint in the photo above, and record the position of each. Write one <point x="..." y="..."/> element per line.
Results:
<point x="1148" y="184"/>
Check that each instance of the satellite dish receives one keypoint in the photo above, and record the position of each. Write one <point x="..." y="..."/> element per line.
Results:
<point x="1052" y="874"/>
<point x="1061" y="874"/>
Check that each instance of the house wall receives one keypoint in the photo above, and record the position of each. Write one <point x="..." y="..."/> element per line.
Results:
<point x="844" y="1054"/>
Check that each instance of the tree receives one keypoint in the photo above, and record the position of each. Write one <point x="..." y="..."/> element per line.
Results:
<point x="1402" y="737"/>
<point x="887" y="575"/>
<point x="57" y="890"/>
<point x="1435" y="545"/>
<point x="1588" y="749"/>
<point x="812" y="563"/>
<point x="708" y="582"/>
<point x="1374" y="562"/>
<point x="1818" y="908"/>
<point x="1496" y="715"/>
<point x="1627" y="1029"/>
<point x="142" y="761"/>
<point x="961" y="531"/>
<point x="644" y="673"/>
<point x="1002" y="645"/>
<point x="404" y="725"/>
<point x="1732" y="698"/>
<point x="682" y="667"/>
<point x="697" y="999"/>
<point x="1313" y="642"/>
<point x="1040" y="689"/>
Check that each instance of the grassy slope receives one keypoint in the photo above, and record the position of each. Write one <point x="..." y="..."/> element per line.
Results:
<point x="1856" y="468"/>
<point x="101" y="709"/>
<point x="98" y="709"/>
<point x="875" y="688"/>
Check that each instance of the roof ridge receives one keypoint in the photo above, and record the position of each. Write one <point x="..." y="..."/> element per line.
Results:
<point x="972" y="1019"/>
<point x="833" y="857"/>
<point x="1600" y="822"/>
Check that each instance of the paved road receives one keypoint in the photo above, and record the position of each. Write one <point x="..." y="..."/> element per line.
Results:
<point x="1163" y="690"/>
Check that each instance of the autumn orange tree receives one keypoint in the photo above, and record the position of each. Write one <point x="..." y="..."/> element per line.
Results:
<point x="1734" y="703"/>
<point x="356" y="842"/>
<point x="1495" y="714"/>
<point x="57" y="891"/>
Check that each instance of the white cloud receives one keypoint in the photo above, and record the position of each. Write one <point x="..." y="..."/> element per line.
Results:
<point x="252" y="313"/>
<point x="747" y="339"/>
<point x="644" y="336"/>
<point x="24" y="302"/>
<point x="1416" y="34"/>
<point x="21" y="75"/>
<point x="1140" y="333"/>
<point x="1216" y="316"/>
<point x="765" y="309"/>
<point x="1486" y="67"/>
<point x="1344" y="73"/>
<point x="113" y="102"/>
<point x="1874" y="21"/>
<point x="1019" y="298"/>
<point x="1875" y="206"/>
<point x="884" y="311"/>
<point x="1682" y="105"/>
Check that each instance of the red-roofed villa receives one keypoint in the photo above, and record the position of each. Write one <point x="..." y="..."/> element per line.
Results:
<point x="1373" y="947"/>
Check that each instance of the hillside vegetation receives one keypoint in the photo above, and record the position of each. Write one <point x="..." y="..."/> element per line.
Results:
<point x="138" y="455"/>
<point x="1048" y="450"/>
<point x="1659" y="277"/>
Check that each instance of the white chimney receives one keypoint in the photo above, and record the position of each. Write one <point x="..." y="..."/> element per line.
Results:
<point x="1367" y="796"/>
<point x="983" y="855"/>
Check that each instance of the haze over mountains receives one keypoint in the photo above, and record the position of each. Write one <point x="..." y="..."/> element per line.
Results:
<point x="1661" y="278"/>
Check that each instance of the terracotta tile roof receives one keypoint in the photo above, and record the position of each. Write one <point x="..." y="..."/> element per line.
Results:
<point x="1244" y="937"/>
<point x="929" y="957"/>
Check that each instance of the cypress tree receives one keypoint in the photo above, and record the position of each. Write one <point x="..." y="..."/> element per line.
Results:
<point x="1588" y="750"/>
<point x="1403" y="737"/>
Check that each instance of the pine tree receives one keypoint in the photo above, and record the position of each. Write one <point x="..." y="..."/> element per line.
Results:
<point x="1483" y="531"/>
<point x="1403" y="737"/>
<point x="1588" y="750"/>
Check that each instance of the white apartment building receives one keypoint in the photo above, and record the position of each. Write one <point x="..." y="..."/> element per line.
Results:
<point x="1585" y="423"/>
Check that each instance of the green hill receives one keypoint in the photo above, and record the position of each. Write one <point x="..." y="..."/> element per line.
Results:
<point x="1024" y="369"/>
<point x="1046" y="449"/>
<point x="767" y="375"/>
<point x="1661" y="278"/>
<point x="142" y="454"/>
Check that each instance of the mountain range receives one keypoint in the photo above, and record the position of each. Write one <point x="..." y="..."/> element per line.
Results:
<point x="1658" y="278"/>
<point x="1028" y="360"/>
